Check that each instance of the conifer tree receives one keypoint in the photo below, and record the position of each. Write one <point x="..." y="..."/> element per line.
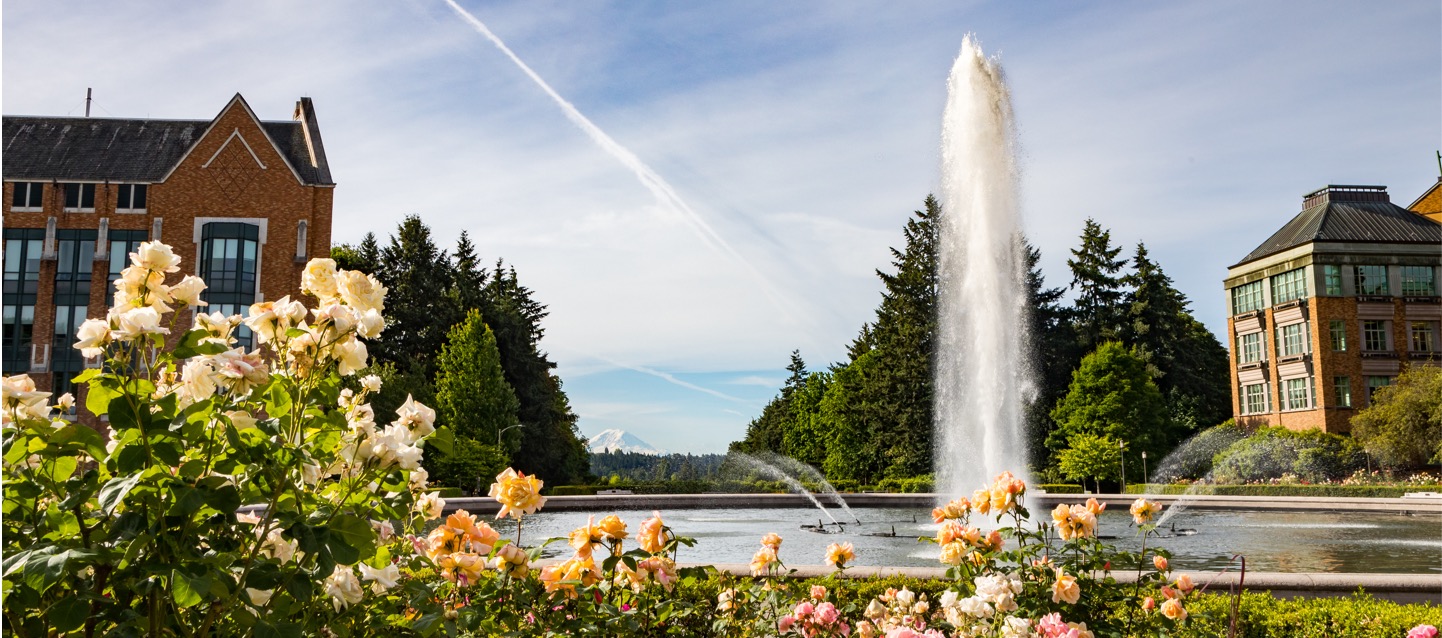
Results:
<point x="1112" y="394"/>
<point x="1053" y="350"/>
<point x="1098" y="312"/>
<point x="474" y="400"/>
<point x="418" y="311"/>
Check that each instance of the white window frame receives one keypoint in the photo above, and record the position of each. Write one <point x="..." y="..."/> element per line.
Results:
<point x="65" y="197"/>
<point x="28" y="186"/>
<point x="1337" y="333"/>
<point x="1405" y="272"/>
<point x="1292" y="339"/>
<point x="1428" y="328"/>
<point x="1252" y="293"/>
<point x="130" y="209"/>
<point x="1332" y="273"/>
<point x="1297" y="393"/>
<point x="1246" y="352"/>
<point x="1386" y="336"/>
<point x="1255" y="398"/>
<point x="1289" y="286"/>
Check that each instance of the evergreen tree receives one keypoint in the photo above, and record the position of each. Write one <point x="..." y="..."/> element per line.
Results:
<point x="1054" y="351"/>
<point x="364" y="256"/>
<point x="417" y="276"/>
<point x="768" y="432"/>
<point x="1112" y="394"/>
<point x="806" y="437"/>
<point x="468" y="277"/>
<point x="1097" y="312"/>
<point x="854" y="450"/>
<point x="475" y="402"/>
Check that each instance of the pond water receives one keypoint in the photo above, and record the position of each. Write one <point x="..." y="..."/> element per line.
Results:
<point x="1271" y="541"/>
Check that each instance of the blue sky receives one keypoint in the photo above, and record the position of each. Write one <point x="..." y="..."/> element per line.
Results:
<point x="801" y="134"/>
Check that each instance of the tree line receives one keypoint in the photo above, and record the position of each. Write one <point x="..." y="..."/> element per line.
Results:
<point x="466" y="339"/>
<point x="1124" y="361"/>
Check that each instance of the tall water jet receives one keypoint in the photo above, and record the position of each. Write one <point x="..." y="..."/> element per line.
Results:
<point x="983" y="367"/>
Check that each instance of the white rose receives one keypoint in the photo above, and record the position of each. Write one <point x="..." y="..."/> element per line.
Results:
<point x="153" y="255"/>
<point x="361" y="291"/>
<point x="263" y="321"/>
<point x="241" y="419"/>
<point x="197" y="379"/>
<point x="340" y="317"/>
<point x="91" y="337"/>
<point x="188" y="290"/>
<point x="318" y="278"/>
<point x="310" y="473"/>
<point x="409" y="457"/>
<point x="343" y="587"/>
<point x="259" y="597"/>
<point x="218" y="325"/>
<point x="371" y="383"/>
<point x="241" y="371"/>
<point x="370" y="324"/>
<point x="419" y="478"/>
<point x="139" y="287"/>
<point x="416" y="416"/>
<point x="65" y="402"/>
<point x="351" y="355"/>
<point x="383" y="578"/>
<point x="291" y="312"/>
<point x="132" y="323"/>
<point x="431" y="505"/>
<point x="385" y="531"/>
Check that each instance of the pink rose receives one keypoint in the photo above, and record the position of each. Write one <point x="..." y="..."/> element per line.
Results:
<point x="802" y="610"/>
<point x="784" y="624"/>
<point x="1422" y="631"/>
<point x="826" y="613"/>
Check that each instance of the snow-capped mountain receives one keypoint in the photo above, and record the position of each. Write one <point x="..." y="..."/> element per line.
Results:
<point x="620" y="441"/>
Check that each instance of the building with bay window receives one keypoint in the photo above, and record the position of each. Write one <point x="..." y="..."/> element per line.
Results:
<point x="1331" y="307"/>
<point x="244" y="201"/>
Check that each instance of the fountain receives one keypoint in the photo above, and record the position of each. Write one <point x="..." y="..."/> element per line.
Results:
<point x="812" y="474"/>
<point x="775" y="474"/>
<point x="983" y="372"/>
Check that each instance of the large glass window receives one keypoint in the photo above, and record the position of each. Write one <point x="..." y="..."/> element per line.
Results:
<point x="1374" y="384"/>
<point x="1251" y="347"/>
<point x="228" y="253"/>
<point x="1372" y="280"/>
<point x="22" y="281"/>
<point x="1247" y="297"/>
<point x="1343" y="387"/>
<point x="1292" y="339"/>
<point x="80" y="198"/>
<point x="1417" y="281"/>
<point x="1338" y="330"/>
<point x="1374" y="335"/>
<point x="130" y="198"/>
<point x="122" y="243"/>
<point x="1332" y="279"/>
<point x="75" y="252"/>
<point x="1289" y="285"/>
<point x="28" y="196"/>
<point x="1423" y="335"/>
<point x="1254" y="398"/>
<point x="1298" y="393"/>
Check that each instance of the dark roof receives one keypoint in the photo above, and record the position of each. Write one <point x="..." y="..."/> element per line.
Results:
<point x="1349" y="214"/>
<point x="126" y="150"/>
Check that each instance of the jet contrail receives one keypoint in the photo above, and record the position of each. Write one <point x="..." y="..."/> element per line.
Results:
<point x="672" y="379"/>
<point x="648" y="178"/>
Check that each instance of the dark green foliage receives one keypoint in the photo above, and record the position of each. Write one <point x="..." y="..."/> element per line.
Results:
<point x="1286" y="489"/>
<point x="472" y="396"/>
<point x="807" y="437"/>
<point x="1063" y="488"/>
<point x="1098" y="312"/>
<point x="1269" y="453"/>
<point x="471" y="466"/>
<point x="767" y="433"/>
<point x="417" y="276"/>
<point x="1403" y="425"/>
<point x="364" y="256"/>
<point x="634" y="466"/>
<point x="1054" y="351"/>
<point x="913" y="485"/>
<point x="1111" y="394"/>
<point x="396" y="385"/>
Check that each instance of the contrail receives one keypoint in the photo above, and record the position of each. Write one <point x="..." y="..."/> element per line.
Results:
<point x="648" y="178"/>
<point x="672" y="379"/>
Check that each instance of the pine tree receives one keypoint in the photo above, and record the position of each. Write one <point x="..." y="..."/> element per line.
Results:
<point x="1098" y="311"/>
<point x="468" y="278"/>
<point x="418" y="311"/>
<point x="474" y="400"/>
<point x="1054" y="351"/>
<point x="768" y="432"/>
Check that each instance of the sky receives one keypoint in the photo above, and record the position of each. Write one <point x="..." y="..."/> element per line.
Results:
<point x="696" y="189"/>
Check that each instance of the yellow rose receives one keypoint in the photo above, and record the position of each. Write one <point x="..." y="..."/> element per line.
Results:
<point x="1160" y="562"/>
<point x="981" y="501"/>
<point x="1094" y="507"/>
<point x="1184" y="583"/>
<point x="1143" y="511"/>
<point x="772" y="540"/>
<point x="1065" y="589"/>
<point x="583" y="539"/>
<point x="612" y="528"/>
<point x="763" y="560"/>
<point x="652" y="536"/>
<point x="838" y="554"/>
<point x="1174" y="610"/>
<point x="517" y="493"/>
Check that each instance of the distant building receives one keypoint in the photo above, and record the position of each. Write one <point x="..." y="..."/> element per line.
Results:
<point x="244" y="202"/>
<point x="1330" y="307"/>
<point x="1430" y="203"/>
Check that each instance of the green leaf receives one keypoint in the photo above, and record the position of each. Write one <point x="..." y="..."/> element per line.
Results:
<point x="191" y="346"/>
<point x="97" y="400"/>
<point x="68" y="614"/>
<point x="86" y="375"/>
<point x="83" y="437"/>
<point x="115" y="490"/>
<point x="186" y="590"/>
<point x="349" y="538"/>
<point x="61" y="468"/>
<point x="277" y="401"/>
<point x="442" y="440"/>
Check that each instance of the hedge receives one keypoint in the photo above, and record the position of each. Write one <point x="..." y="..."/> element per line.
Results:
<point x="1356" y="491"/>
<point x="1060" y="488"/>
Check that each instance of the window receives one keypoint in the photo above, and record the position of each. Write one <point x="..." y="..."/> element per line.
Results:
<point x="228" y="258"/>
<point x="1422" y="336"/>
<point x="29" y="196"/>
<point x="75" y="252"/>
<point x="1374" y="384"/>
<point x="122" y="243"/>
<point x="131" y="197"/>
<point x="22" y="281"/>
<point x="1251" y="348"/>
<point x="1374" y="335"/>
<point x="1292" y="339"/>
<point x="300" y="240"/>
<point x="1298" y="393"/>
<point x="1338" y="330"/>
<point x="1289" y="285"/>
<point x="80" y="198"/>
<point x="1332" y="279"/>
<point x="1343" y="387"/>
<point x="1254" y="398"/>
<point x="1417" y="281"/>
<point x="1372" y="280"/>
<point x="1247" y="297"/>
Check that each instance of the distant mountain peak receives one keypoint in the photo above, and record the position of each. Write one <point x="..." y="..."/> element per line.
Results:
<point x="614" y="440"/>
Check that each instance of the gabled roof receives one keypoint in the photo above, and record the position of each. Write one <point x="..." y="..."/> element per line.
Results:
<point x="1349" y="214"/>
<point x="93" y="149"/>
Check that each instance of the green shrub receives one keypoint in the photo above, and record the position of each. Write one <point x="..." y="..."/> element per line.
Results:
<point x="573" y="490"/>
<point x="1263" y="616"/>
<point x="1356" y="491"/>
<point x="1271" y="453"/>
<point x="1061" y="488"/>
<point x="470" y="464"/>
<point x="846" y="485"/>
<point x="911" y="485"/>
<point x="1193" y="459"/>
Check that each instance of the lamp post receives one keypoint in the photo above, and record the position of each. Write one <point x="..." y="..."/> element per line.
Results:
<point x="1145" y="477"/>
<point x="503" y="431"/>
<point x="1122" y="446"/>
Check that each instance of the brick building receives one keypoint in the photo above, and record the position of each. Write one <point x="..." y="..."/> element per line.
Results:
<point x="244" y="202"/>
<point x="1331" y="307"/>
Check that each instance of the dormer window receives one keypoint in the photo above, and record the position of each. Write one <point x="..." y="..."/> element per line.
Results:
<point x="29" y="197"/>
<point x="79" y="198"/>
<point x="130" y="198"/>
